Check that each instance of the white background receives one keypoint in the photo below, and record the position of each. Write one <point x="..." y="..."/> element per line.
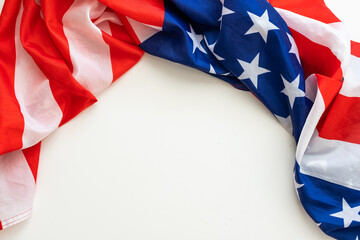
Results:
<point x="170" y="153"/>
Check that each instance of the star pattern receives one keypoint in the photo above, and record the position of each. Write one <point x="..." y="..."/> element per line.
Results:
<point x="249" y="59"/>
<point x="261" y="25"/>
<point x="252" y="70"/>
<point x="196" y="39"/>
<point x="292" y="90"/>
<point x="348" y="214"/>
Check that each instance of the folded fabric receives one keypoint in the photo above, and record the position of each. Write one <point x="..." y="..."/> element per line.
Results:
<point x="295" y="56"/>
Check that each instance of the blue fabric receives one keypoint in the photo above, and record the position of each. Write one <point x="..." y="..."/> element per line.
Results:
<point x="231" y="43"/>
<point x="321" y="199"/>
<point x="229" y="35"/>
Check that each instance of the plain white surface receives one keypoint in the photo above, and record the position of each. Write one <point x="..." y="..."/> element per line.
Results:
<point x="170" y="153"/>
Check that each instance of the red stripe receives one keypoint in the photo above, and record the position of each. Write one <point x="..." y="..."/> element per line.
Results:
<point x="329" y="87"/>
<point x="32" y="155"/>
<point x="150" y="12"/>
<point x="342" y="120"/>
<point x="355" y="49"/>
<point x="11" y="119"/>
<point x="129" y="29"/>
<point x="319" y="59"/>
<point x="53" y="60"/>
<point x="53" y="12"/>
<point x="124" y="51"/>
<point x="316" y="58"/>
<point x="315" y="9"/>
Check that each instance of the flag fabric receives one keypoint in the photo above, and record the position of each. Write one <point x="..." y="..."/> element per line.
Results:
<point x="295" y="56"/>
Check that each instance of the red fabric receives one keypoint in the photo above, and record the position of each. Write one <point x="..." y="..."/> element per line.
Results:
<point x="129" y="29"/>
<point x="53" y="12"/>
<point x="12" y="122"/>
<point x="53" y="57"/>
<point x="44" y="39"/>
<point x="68" y="93"/>
<point x="123" y="49"/>
<point x="355" y="49"/>
<point x="315" y="9"/>
<point x="32" y="155"/>
<point x="313" y="56"/>
<point x="345" y="126"/>
<point x="150" y="12"/>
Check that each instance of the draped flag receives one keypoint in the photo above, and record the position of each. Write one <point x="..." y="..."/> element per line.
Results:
<point x="293" y="55"/>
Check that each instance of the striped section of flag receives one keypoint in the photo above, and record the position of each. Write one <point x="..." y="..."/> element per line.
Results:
<point x="56" y="61"/>
<point x="328" y="152"/>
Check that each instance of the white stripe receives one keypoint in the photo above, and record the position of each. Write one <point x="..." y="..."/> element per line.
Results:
<point x="105" y="27"/>
<point x="41" y="112"/>
<point x="103" y="21"/>
<point x="1" y="5"/>
<point x="332" y="160"/>
<point x="108" y="16"/>
<point x="89" y="53"/>
<point x="351" y="85"/>
<point x="16" y="219"/>
<point x="143" y="31"/>
<point x="333" y="35"/>
<point x="311" y="87"/>
<point x="312" y="120"/>
<point x="17" y="188"/>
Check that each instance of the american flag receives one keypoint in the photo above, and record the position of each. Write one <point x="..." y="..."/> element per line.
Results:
<point x="56" y="56"/>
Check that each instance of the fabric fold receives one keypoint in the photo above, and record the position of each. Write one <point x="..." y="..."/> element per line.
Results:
<point x="294" y="56"/>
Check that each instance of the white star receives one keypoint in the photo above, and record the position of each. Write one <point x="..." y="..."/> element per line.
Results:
<point x="286" y="123"/>
<point x="297" y="185"/>
<point x="252" y="70"/>
<point x="293" y="48"/>
<point x="262" y="25"/>
<point x="211" y="47"/>
<point x="196" y="39"/>
<point x="348" y="213"/>
<point x="292" y="89"/>
<point x="212" y="70"/>
<point x="225" y="11"/>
